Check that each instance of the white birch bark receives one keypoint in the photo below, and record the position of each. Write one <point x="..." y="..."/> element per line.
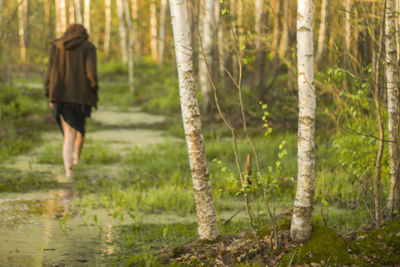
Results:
<point x="78" y="11"/>
<point x="63" y="16"/>
<point x="21" y="30"/>
<point x="220" y="36"/>
<point x="107" y="31"/>
<point x="122" y="31"/>
<point x="322" y="31"/>
<point x="130" y="46"/>
<point x="58" y="20"/>
<point x="206" y="217"/>
<point x="153" y="31"/>
<point x="393" y="101"/>
<point x="206" y="57"/>
<point x="71" y="12"/>
<point x="284" y="44"/>
<point x="276" y="30"/>
<point x="240" y="16"/>
<point x="161" y="42"/>
<point x="136" y="41"/>
<point x="86" y="15"/>
<point x="258" y="69"/>
<point x="300" y="229"/>
<point x="347" y="29"/>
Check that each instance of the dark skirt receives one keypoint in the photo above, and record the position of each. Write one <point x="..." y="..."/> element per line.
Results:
<point x="73" y="114"/>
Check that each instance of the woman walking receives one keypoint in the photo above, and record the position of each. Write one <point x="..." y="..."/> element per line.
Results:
<point x="71" y="86"/>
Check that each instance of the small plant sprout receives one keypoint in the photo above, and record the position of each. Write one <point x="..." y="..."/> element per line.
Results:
<point x="266" y="125"/>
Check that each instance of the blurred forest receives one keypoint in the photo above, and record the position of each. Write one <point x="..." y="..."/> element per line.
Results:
<point x="249" y="45"/>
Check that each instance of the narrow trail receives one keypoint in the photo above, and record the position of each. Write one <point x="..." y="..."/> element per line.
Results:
<point x="44" y="228"/>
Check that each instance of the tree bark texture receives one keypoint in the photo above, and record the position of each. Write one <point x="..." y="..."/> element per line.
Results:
<point x="161" y="43"/>
<point x="347" y="30"/>
<point x="107" y="31"/>
<point x="136" y="41"/>
<point x="322" y="31"/>
<point x="207" y="44"/>
<point x="393" y="102"/>
<point x="21" y="29"/>
<point x="78" y="11"/>
<point x="71" y="12"/>
<point x="276" y="30"/>
<point x="284" y="44"/>
<point x="122" y="31"/>
<point x="259" y="29"/>
<point x="153" y="31"/>
<point x="206" y="217"/>
<point x="300" y="229"/>
<point x="130" y="46"/>
<point x="87" y="15"/>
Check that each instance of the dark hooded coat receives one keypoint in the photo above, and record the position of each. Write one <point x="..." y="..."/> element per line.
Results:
<point x="72" y="70"/>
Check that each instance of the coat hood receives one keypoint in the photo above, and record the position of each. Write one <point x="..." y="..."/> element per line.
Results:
<point x="75" y="35"/>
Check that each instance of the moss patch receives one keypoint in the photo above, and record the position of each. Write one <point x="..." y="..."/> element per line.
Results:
<point x="378" y="247"/>
<point x="325" y="246"/>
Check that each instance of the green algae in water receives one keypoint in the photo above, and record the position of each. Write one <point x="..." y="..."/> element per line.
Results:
<point x="324" y="245"/>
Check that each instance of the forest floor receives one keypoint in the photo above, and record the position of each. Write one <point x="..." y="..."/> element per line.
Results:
<point x="130" y="201"/>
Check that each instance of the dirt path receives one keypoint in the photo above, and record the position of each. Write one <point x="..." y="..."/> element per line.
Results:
<point x="43" y="228"/>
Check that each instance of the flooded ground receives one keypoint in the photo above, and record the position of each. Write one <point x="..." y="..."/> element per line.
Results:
<point x="44" y="228"/>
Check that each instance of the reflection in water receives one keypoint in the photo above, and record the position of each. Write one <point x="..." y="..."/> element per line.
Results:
<point x="30" y="232"/>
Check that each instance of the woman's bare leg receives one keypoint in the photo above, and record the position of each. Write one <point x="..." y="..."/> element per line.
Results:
<point x="78" y="145"/>
<point x="68" y="147"/>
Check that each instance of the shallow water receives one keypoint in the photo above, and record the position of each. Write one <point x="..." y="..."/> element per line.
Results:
<point x="33" y="228"/>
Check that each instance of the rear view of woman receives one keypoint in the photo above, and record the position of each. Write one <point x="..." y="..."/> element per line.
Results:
<point x="71" y="86"/>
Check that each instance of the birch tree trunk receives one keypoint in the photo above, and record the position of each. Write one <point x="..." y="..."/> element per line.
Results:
<point x="276" y="30"/>
<point x="107" y="31"/>
<point x="206" y="217"/>
<point x="21" y="30"/>
<point x="347" y="29"/>
<point x="1" y="9"/>
<point x="393" y="102"/>
<point x="153" y="31"/>
<point x="206" y="58"/>
<point x="86" y="15"/>
<point x="322" y="31"/>
<point x="78" y="11"/>
<point x="122" y="31"/>
<point x="221" y="42"/>
<point x="71" y="12"/>
<point x="284" y="45"/>
<point x="58" y="20"/>
<point x="136" y="41"/>
<point x="130" y="46"/>
<point x="63" y="16"/>
<point x="259" y="61"/>
<point x="161" y="42"/>
<point x="300" y="229"/>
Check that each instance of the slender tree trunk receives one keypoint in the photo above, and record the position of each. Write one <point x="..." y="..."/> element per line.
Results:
<point x="136" y="41"/>
<point x="239" y="13"/>
<point x="347" y="30"/>
<point x="63" y="16"/>
<point x="322" y="32"/>
<point x="71" y="12"/>
<point x="161" y="43"/>
<point x="107" y="27"/>
<point x="300" y="229"/>
<point x="130" y="46"/>
<point x="78" y="11"/>
<point x="221" y="42"/>
<point x="276" y="30"/>
<point x="259" y="28"/>
<point x="21" y="30"/>
<point x="206" y="217"/>
<point x="122" y="31"/>
<point x="284" y="45"/>
<point x="58" y="20"/>
<point x="207" y="43"/>
<point x="86" y="15"/>
<point x="153" y="30"/>
<point x="379" y="154"/>
<point x="1" y="16"/>
<point x="393" y="102"/>
<point x="235" y="64"/>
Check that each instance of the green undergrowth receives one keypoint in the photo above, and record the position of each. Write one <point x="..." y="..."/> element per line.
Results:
<point x="12" y="180"/>
<point x="22" y="118"/>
